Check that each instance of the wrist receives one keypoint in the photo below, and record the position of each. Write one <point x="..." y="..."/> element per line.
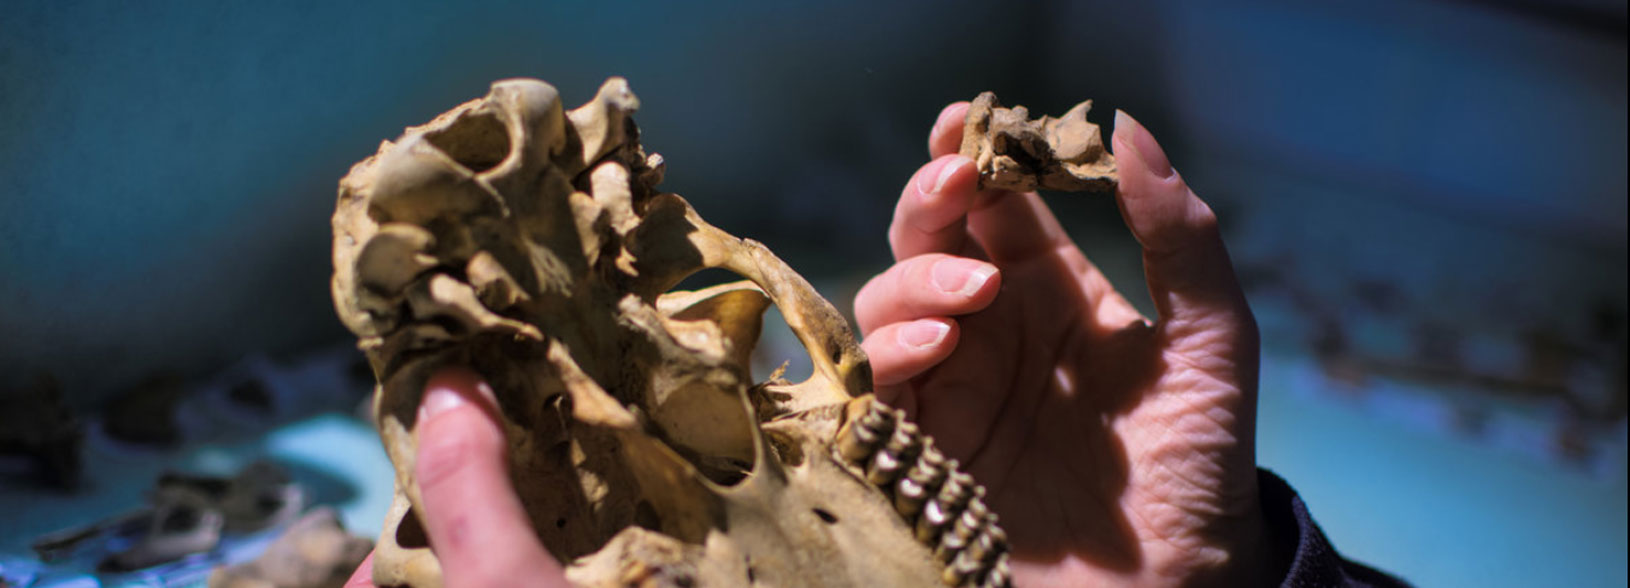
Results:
<point x="1235" y="547"/>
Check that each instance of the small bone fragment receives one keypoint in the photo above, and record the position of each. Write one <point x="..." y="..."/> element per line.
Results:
<point x="1015" y="153"/>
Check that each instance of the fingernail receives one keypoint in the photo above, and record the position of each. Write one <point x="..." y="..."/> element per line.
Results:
<point x="923" y="334"/>
<point x="950" y="167"/>
<point x="438" y="400"/>
<point x="1154" y="158"/>
<point x="961" y="276"/>
<point x="943" y="175"/>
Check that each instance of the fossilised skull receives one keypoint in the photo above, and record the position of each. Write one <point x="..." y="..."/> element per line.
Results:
<point x="531" y="244"/>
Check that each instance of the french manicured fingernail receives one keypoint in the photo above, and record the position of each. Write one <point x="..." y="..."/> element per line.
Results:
<point x="438" y="400"/>
<point x="942" y="176"/>
<point x="961" y="276"/>
<point x="923" y="334"/>
<point x="1154" y="158"/>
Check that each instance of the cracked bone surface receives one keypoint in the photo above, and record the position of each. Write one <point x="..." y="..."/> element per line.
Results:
<point x="1018" y="154"/>
<point x="532" y="244"/>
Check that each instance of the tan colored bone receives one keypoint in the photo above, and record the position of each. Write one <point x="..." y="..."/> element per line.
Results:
<point x="1018" y="154"/>
<point x="531" y="244"/>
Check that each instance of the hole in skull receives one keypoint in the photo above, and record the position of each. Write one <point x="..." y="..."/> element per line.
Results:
<point x="707" y="278"/>
<point x="410" y="532"/>
<point x="697" y="409"/>
<point x="476" y="140"/>
<point x="777" y="346"/>
<point x="826" y="516"/>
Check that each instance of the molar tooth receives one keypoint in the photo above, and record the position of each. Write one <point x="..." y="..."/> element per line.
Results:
<point x="964" y="567"/>
<point x="885" y="467"/>
<point x="906" y="440"/>
<point x="930" y="464"/>
<point x="968" y="524"/>
<point x="982" y="548"/>
<point x="889" y="463"/>
<point x="1000" y="576"/>
<point x="858" y="443"/>
<point x="909" y="495"/>
<point x="862" y="438"/>
<point x="919" y="483"/>
<point x="955" y="491"/>
<point x="878" y="418"/>
<point x="984" y="561"/>
<point x="935" y="518"/>
<point x="953" y="542"/>
<point x="943" y="508"/>
<point x="997" y="552"/>
<point x="977" y="513"/>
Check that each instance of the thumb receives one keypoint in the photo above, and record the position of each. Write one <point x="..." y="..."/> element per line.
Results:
<point x="1185" y="263"/>
<point x="477" y="526"/>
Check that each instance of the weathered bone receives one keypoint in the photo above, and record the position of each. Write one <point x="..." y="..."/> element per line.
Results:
<point x="1018" y="154"/>
<point x="532" y="245"/>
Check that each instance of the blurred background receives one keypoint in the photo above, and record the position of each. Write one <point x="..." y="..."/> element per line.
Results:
<point x="1426" y="200"/>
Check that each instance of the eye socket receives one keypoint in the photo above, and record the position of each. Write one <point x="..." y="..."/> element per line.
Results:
<point x="477" y="141"/>
<point x="826" y="516"/>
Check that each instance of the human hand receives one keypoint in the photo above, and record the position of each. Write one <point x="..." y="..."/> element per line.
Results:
<point x="1115" y="449"/>
<point x="477" y="528"/>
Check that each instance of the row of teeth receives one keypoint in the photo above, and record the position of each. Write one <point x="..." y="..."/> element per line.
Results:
<point x="945" y="506"/>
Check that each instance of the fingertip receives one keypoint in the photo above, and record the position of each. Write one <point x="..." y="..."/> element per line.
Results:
<point x="1123" y="127"/>
<point x="455" y="386"/>
<point x="1155" y="202"/>
<point x="946" y="136"/>
<point x="924" y="335"/>
<point x="932" y="207"/>
<point x="1185" y="262"/>
<point x="904" y="350"/>
<point x="943" y="180"/>
<point x="1130" y="135"/>
<point x="966" y="278"/>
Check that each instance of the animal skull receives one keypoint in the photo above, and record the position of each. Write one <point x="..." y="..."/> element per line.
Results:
<point x="531" y="244"/>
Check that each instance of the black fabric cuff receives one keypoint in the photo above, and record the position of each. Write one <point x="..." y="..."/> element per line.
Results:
<point x="1315" y="564"/>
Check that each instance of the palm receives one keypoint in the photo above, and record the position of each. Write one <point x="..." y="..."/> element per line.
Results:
<point x="1092" y="419"/>
<point x="1113" y="448"/>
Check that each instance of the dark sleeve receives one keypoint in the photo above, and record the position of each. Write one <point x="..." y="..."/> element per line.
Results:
<point x="1315" y="564"/>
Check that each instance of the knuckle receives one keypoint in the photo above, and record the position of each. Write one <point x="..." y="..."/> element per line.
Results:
<point x="1201" y="219"/>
